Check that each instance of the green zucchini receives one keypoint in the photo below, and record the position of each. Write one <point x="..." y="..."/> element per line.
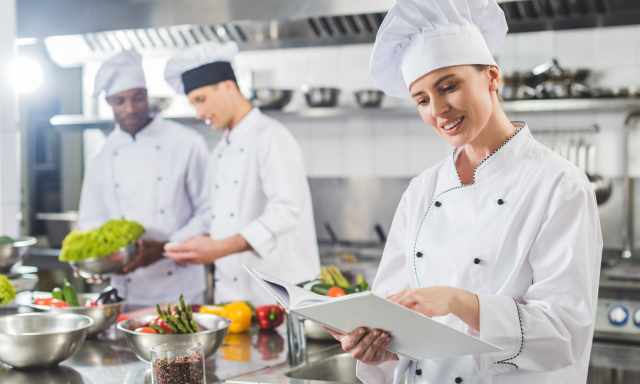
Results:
<point x="323" y="289"/>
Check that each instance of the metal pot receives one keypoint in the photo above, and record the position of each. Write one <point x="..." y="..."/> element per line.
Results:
<point x="11" y="254"/>
<point x="268" y="98"/>
<point x="321" y="97"/>
<point x="59" y="225"/>
<point x="370" y="98"/>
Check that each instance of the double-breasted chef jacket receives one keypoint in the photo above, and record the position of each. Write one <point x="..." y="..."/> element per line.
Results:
<point x="525" y="238"/>
<point x="156" y="179"/>
<point x="259" y="190"/>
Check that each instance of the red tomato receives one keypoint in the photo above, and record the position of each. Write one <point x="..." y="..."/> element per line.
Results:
<point x="145" y="330"/>
<point x="160" y="322"/>
<point x="45" y="302"/>
<point x="335" y="292"/>
<point x="90" y="303"/>
<point x="59" y="304"/>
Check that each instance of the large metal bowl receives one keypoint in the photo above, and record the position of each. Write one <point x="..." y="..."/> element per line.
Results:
<point x="11" y="254"/>
<point x="41" y="340"/>
<point x="103" y="316"/>
<point x="370" y="98"/>
<point x="99" y="266"/>
<point x="268" y="98"/>
<point x="141" y="343"/>
<point x="321" y="97"/>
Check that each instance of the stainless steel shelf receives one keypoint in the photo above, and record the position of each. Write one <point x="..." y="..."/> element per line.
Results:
<point x="74" y="122"/>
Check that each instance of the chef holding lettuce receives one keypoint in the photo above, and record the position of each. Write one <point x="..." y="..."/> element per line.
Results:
<point x="151" y="171"/>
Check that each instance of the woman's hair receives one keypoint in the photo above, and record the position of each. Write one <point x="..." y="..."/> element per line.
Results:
<point x="482" y="67"/>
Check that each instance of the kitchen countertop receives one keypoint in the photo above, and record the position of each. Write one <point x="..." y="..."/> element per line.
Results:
<point x="109" y="360"/>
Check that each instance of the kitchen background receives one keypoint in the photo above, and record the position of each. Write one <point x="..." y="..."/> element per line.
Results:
<point x="390" y="142"/>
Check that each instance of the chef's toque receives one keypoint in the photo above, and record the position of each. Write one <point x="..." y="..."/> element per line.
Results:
<point x="201" y="65"/>
<point x="120" y="73"/>
<point x="420" y="36"/>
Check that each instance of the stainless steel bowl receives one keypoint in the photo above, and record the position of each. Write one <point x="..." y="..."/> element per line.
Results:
<point x="103" y="316"/>
<point x="159" y="104"/>
<point x="321" y="97"/>
<point x="316" y="332"/>
<point x="100" y="266"/>
<point x="11" y="254"/>
<point x="41" y="340"/>
<point x="268" y="98"/>
<point x="141" y="343"/>
<point x="369" y="98"/>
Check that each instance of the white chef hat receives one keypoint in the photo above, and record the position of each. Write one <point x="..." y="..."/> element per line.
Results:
<point x="201" y="65"/>
<point x="419" y="36"/>
<point x="120" y="73"/>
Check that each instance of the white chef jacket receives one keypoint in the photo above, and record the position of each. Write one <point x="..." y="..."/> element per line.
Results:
<point x="156" y="179"/>
<point x="525" y="237"/>
<point x="259" y="190"/>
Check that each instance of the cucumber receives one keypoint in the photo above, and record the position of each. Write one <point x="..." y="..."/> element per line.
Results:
<point x="323" y="289"/>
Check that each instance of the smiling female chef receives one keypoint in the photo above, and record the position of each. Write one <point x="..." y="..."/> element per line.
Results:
<point x="502" y="239"/>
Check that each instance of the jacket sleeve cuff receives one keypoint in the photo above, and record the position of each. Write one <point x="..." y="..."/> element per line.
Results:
<point x="384" y="373"/>
<point x="500" y="325"/>
<point x="261" y="239"/>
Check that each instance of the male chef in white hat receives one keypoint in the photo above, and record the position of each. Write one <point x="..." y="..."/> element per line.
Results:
<point x="261" y="211"/>
<point x="152" y="171"/>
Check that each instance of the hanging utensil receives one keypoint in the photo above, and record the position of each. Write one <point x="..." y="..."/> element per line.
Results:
<point x="601" y="185"/>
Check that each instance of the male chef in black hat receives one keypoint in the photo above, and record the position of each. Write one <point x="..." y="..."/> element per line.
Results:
<point x="261" y="210"/>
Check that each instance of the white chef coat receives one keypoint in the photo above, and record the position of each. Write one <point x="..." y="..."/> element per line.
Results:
<point x="531" y="220"/>
<point x="259" y="190"/>
<point x="156" y="179"/>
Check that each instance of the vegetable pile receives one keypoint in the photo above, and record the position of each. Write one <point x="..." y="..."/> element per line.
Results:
<point x="335" y="285"/>
<point x="6" y="240"/>
<point x="67" y="298"/>
<point x="7" y="292"/>
<point x="113" y="235"/>
<point x="178" y="320"/>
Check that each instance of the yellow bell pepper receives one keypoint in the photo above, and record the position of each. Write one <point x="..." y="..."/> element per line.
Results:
<point x="212" y="309"/>
<point x="240" y="315"/>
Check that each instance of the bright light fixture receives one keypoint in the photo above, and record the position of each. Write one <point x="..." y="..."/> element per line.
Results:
<point x="26" y="75"/>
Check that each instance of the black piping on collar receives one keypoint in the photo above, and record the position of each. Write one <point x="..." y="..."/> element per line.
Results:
<point x="486" y="158"/>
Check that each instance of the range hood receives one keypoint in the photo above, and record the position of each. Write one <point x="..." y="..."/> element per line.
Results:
<point x="76" y="31"/>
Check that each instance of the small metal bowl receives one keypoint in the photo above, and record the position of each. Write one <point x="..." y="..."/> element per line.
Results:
<point x="99" y="266"/>
<point x="11" y="254"/>
<point x="369" y="98"/>
<point x="268" y="98"/>
<point x="321" y="97"/>
<point x="41" y="340"/>
<point x="103" y="316"/>
<point x="159" y="104"/>
<point x="141" y="343"/>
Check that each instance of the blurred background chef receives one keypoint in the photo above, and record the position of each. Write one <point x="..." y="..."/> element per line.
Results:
<point x="261" y="211"/>
<point x="152" y="171"/>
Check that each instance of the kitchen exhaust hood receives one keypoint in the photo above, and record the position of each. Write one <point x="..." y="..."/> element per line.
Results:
<point x="76" y="31"/>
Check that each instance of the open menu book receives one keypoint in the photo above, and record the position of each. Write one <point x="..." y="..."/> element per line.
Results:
<point x="414" y="336"/>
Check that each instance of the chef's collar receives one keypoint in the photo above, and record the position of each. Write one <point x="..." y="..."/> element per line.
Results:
<point x="246" y="125"/>
<point x="153" y="128"/>
<point x="508" y="153"/>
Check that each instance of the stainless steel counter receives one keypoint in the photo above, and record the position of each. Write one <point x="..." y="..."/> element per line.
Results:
<point x="110" y="360"/>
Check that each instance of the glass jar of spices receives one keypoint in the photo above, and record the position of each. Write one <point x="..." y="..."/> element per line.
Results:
<point x="178" y="363"/>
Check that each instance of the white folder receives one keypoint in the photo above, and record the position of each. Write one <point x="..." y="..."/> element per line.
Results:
<point x="414" y="336"/>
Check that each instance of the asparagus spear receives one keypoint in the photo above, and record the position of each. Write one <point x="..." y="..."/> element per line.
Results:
<point x="191" y="319"/>
<point x="179" y="313"/>
<point x="185" y="321"/>
<point x="182" y="305"/>
<point x="157" y="328"/>
<point x="178" y="323"/>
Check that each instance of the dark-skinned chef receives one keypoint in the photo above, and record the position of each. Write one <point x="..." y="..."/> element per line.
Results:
<point x="151" y="171"/>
